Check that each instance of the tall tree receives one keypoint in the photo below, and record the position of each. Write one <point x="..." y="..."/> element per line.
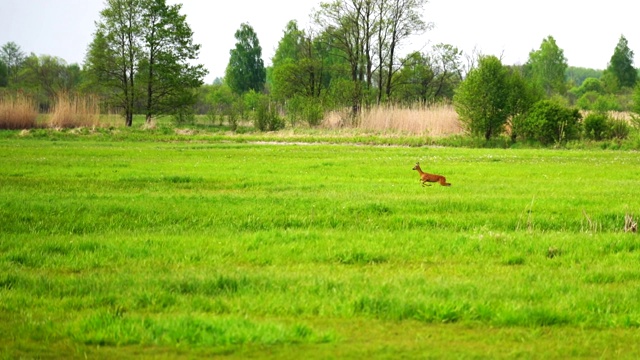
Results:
<point x="246" y="70"/>
<point x="45" y="73"/>
<point x="399" y="19"/>
<point x="482" y="99"/>
<point x="113" y="55"/>
<point x="298" y="66"/>
<point x="168" y="48"/>
<point x="141" y="52"/>
<point x="429" y="77"/>
<point x="47" y="76"/>
<point x="290" y="46"/>
<point x="621" y="64"/>
<point x="13" y="57"/>
<point x="414" y="81"/>
<point x="343" y="28"/>
<point x="286" y="75"/>
<point x="547" y="66"/>
<point x="369" y="34"/>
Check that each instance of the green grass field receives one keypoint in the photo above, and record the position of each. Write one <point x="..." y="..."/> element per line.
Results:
<point x="184" y="249"/>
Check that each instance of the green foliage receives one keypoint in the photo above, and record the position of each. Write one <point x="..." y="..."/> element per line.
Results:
<point x="600" y="126"/>
<point x="428" y="78"/>
<point x="415" y="79"/>
<point x="636" y="100"/>
<point x="291" y="45"/>
<point x="340" y="93"/>
<point x="165" y="70"/>
<point x="576" y="75"/>
<point x="226" y="104"/>
<point x="621" y="64"/>
<point x="306" y="109"/>
<point x="4" y="74"/>
<point x="596" y="125"/>
<point x="313" y="112"/>
<point x="141" y="56"/>
<point x="12" y="56"/>
<point x="521" y="93"/>
<point x="618" y="129"/>
<point x="550" y="123"/>
<point x="183" y="115"/>
<point x="266" y="117"/>
<point x="546" y="67"/>
<point x="482" y="99"/>
<point x="592" y="100"/>
<point x="288" y="73"/>
<point x="588" y="85"/>
<point x="245" y="70"/>
<point x="610" y="82"/>
<point x="46" y="77"/>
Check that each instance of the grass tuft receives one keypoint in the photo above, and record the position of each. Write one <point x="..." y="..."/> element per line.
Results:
<point x="74" y="111"/>
<point x="17" y="112"/>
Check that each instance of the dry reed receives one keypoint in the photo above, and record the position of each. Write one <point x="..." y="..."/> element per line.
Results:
<point x="18" y="112"/>
<point x="433" y="120"/>
<point x="75" y="111"/>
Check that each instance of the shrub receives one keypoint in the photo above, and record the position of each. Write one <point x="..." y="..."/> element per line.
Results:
<point x="234" y="111"/>
<point x="593" y="101"/>
<point x="308" y="109"/>
<point x="313" y="112"/>
<point x="549" y="122"/>
<point x="586" y="101"/>
<point x="596" y="125"/>
<point x="184" y="116"/>
<point x="618" y="129"/>
<point x="606" y="103"/>
<point x="266" y="116"/>
<point x="294" y="108"/>
<point x="600" y="126"/>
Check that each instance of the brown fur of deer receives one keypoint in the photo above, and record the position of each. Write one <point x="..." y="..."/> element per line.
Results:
<point x="430" y="178"/>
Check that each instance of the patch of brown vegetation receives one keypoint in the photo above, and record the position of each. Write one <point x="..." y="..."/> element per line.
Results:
<point x="75" y="111"/>
<point x="433" y="120"/>
<point x="18" y="112"/>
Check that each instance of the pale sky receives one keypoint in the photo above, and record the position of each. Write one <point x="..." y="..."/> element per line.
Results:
<point x="587" y="31"/>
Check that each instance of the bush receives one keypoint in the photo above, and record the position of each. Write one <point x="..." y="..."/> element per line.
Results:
<point x="618" y="129"/>
<point x="266" y="116"/>
<point x="596" y="125"/>
<point x="184" y="116"/>
<point x="313" y="112"/>
<point x="234" y="111"/>
<point x="599" y="126"/>
<point x="305" y="108"/>
<point x="549" y="122"/>
<point x="593" y="101"/>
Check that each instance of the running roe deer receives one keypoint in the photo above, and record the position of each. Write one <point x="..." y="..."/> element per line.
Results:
<point x="429" y="178"/>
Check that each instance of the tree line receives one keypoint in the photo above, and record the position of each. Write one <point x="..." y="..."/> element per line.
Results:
<point x="141" y="61"/>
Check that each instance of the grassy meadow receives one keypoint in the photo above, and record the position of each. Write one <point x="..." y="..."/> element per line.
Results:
<point x="111" y="247"/>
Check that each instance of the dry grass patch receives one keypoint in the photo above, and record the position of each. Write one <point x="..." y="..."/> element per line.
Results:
<point x="431" y="120"/>
<point x="17" y="112"/>
<point x="75" y="111"/>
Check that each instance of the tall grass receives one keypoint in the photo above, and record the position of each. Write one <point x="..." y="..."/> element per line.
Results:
<point x="17" y="112"/>
<point x="432" y="120"/>
<point x="72" y="111"/>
